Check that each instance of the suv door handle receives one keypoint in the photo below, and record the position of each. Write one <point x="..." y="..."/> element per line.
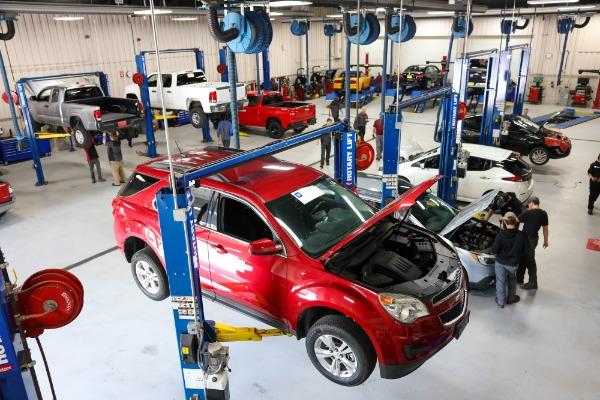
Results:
<point x="168" y="91"/>
<point x="218" y="248"/>
<point x="485" y="177"/>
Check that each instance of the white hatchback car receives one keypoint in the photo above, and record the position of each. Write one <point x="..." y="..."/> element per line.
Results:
<point x="488" y="168"/>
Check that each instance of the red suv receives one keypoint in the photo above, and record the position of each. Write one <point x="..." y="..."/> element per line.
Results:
<point x="289" y="246"/>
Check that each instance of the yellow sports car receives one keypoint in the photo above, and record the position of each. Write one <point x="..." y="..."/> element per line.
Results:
<point x="364" y="81"/>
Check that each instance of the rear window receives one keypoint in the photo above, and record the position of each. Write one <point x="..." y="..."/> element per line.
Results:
<point x="190" y="78"/>
<point x="516" y="166"/>
<point x="81" y="93"/>
<point x="137" y="182"/>
<point x="272" y="99"/>
<point x="415" y="68"/>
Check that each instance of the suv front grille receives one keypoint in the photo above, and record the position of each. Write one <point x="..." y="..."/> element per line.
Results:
<point x="454" y="313"/>
<point x="447" y="292"/>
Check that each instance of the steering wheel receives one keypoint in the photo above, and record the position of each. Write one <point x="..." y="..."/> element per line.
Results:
<point x="319" y="212"/>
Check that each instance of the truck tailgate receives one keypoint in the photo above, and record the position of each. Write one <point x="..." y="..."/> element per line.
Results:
<point x="223" y="93"/>
<point x="305" y="113"/>
<point x="119" y="120"/>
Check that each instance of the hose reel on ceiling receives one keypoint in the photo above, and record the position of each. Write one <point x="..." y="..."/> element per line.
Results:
<point x="369" y="28"/>
<point x="459" y="27"/>
<point x="250" y="33"/>
<point x="398" y="33"/>
<point x="299" y="27"/>
<point x="330" y="29"/>
<point x="509" y="26"/>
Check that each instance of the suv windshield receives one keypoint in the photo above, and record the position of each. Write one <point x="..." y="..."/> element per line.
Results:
<point x="432" y="212"/>
<point x="319" y="215"/>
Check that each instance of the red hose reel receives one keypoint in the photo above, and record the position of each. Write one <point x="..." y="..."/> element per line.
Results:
<point x="49" y="299"/>
<point x="365" y="154"/>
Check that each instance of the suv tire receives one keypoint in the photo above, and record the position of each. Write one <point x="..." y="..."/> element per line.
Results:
<point x="149" y="274"/>
<point x="539" y="155"/>
<point x="197" y="117"/>
<point x="81" y="136"/>
<point x="336" y="343"/>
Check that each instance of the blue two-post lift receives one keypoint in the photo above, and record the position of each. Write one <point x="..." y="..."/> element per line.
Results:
<point x="21" y="92"/>
<point x="140" y="64"/>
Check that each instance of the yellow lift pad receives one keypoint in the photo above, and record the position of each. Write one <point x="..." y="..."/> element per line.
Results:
<point x="227" y="333"/>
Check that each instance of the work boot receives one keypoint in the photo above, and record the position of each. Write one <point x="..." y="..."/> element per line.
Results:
<point x="513" y="300"/>
<point x="590" y="211"/>
<point x="93" y="180"/>
<point x="101" y="179"/>
<point x="529" y="286"/>
<point x="498" y="304"/>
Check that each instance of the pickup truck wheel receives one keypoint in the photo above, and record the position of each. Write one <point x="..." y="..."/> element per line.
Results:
<point x="36" y="126"/>
<point x="539" y="155"/>
<point x="275" y="129"/>
<point x="197" y="117"/>
<point x="299" y="130"/>
<point x="149" y="274"/>
<point x="340" y="350"/>
<point x="81" y="136"/>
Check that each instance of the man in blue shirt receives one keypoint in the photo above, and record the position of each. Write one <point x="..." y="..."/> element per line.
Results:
<point x="224" y="131"/>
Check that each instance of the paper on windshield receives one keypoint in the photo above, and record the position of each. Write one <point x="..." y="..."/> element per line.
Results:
<point x="307" y="194"/>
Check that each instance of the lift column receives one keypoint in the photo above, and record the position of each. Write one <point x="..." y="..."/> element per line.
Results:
<point x="140" y="64"/>
<point x="494" y="101"/>
<point x="519" y="99"/>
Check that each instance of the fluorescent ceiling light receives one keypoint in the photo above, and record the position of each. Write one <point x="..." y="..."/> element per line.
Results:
<point x="289" y="3"/>
<point x="440" y="12"/>
<point x="334" y="16"/>
<point x="575" y="8"/>
<point x="156" y="11"/>
<point x="68" y="18"/>
<point x="540" y="2"/>
<point x="275" y="14"/>
<point x="184" y="19"/>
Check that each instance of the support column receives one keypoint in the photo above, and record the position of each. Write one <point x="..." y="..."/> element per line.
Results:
<point x="266" y="70"/>
<point x="35" y="151"/>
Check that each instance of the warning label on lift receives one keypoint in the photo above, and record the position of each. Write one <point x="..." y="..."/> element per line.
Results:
<point x="391" y="181"/>
<point x="184" y="306"/>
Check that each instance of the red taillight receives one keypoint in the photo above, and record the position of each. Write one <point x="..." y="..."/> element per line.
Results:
<point x="212" y="97"/>
<point x="98" y="114"/>
<point x="516" y="178"/>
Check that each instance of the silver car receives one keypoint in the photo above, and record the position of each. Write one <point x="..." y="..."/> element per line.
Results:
<point x="470" y="236"/>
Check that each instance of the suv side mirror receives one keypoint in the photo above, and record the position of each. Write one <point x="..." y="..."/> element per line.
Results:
<point x="264" y="247"/>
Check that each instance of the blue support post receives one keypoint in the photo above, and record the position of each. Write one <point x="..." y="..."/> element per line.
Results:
<point x="347" y="152"/>
<point x="307" y="70"/>
<point x="11" y="105"/>
<point x="450" y="146"/>
<point x="521" y="81"/>
<point x="257" y="60"/>
<point x="391" y="156"/>
<point x="495" y="98"/>
<point x="562" y="58"/>
<point x="177" y="228"/>
<point x="103" y="78"/>
<point x="199" y="56"/>
<point x="266" y="70"/>
<point x="223" y="61"/>
<point x="140" y="64"/>
<point x="329" y="52"/>
<point x="35" y="152"/>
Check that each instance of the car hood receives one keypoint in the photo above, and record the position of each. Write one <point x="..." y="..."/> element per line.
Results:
<point x="467" y="213"/>
<point x="402" y="203"/>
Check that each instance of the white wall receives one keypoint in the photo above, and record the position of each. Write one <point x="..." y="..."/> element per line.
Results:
<point x="43" y="46"/>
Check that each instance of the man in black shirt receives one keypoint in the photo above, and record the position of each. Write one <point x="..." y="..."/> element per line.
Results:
<point x="504" y="202"/>
<point x="594" y="174"/>
<point x="509" y="246"/>
<point x="533" y="219"/>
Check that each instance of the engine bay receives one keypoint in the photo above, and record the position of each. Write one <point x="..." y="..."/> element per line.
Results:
<point x="389" y="255"/>
<point x="475" y="235"/>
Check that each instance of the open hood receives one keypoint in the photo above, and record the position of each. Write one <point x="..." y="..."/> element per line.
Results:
<point x="402" y="203"/>
<point x="468" y="212"/>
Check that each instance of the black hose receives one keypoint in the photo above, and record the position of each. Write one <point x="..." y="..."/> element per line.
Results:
<point x="10" y="31"/>
<point x="521" y="27"/>
<point x="348" y="29"/>
<point x="392" y="30"/>
<point x="583" y="24"/>
<point x="215" y="29"/>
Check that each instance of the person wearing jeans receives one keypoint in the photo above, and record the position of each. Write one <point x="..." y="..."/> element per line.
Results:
<point x="378" y="135"/>
<point x="533" y="219"/>
<point x="225" y="131"/>
<point x="326" y="145"/>
<point x="510" y="247"/>
<point x="115" y="157"/>
<point x="93" y="160"/>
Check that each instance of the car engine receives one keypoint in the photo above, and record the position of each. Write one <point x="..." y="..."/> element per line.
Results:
<point x="475" y="235"/>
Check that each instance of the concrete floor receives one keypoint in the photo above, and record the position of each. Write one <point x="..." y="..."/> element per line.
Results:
<point x="122" y="344"/>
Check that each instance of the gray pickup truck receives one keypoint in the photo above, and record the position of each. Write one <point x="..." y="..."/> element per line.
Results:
<point x="84" y="110"/>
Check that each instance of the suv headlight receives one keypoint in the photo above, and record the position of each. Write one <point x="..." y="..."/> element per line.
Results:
<point x="485" y="259"/>
<point x="403" y="308"/>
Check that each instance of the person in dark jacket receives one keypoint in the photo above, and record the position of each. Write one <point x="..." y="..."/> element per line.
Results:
<point x="225" y="131"/>
<point x="505" y="202"/>
<point x="594" y="175"/>
<point x="91" y="155"/>
<point x="334" y="109"/>
<point x="532" y="219"/>
<point x="510" y="247"/>
<point x="360" y="123"/>
<point x="326" y="145"/>
<point x="115" y="157"/>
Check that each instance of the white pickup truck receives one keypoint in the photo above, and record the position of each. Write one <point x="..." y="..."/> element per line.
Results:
<point x="190" y="91"/>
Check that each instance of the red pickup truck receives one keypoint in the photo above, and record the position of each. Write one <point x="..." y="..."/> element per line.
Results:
<point x="270" y="110"/>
